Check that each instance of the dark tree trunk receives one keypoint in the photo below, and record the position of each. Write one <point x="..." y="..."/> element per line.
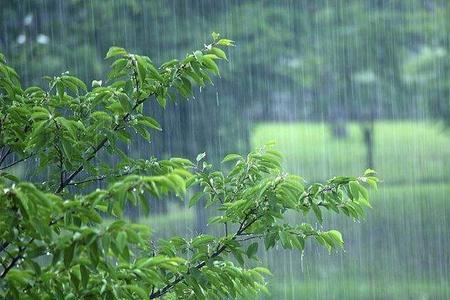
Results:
<point x="368" y="135"/>
<point x="337" y="122"/>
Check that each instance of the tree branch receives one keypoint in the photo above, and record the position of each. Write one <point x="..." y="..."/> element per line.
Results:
<point x="27" y="127"/>
<point x="5" y="156"/>
<point x="244" y="225"/>
<point x="13" y="262"/>
<point x="16" y="162"/>
<point x="250" y="238"/>
<point x="3" y="246"/>
<point x="99" y="178"/>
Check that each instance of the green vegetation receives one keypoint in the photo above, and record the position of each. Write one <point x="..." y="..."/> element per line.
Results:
<point x="64" y="237"/>
<point x="395" y="258"/>
<point x="343" y="68"/>
<point x="405" y="151"/>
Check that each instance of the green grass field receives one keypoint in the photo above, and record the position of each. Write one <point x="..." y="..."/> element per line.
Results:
<point x="403" y="151"/>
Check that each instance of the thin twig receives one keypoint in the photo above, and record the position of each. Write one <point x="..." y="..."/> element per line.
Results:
<point x="250" y="238"/>
<point x="3" y="247"/>
<point x="5" y="156"/>
<point x="13" y="262"/>
<point x="16" y="162"/>
<point x="98" y="178"/>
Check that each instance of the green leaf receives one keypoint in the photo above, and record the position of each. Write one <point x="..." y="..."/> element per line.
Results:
<point x="84" y="275"/>
<point x="198" y="55"/>
<point x="216" y="219"/>
<point x="215" y="35"/>
<point x="372" y="182"/>
<point x="149" y="122"/>
<point x="140" y="292"/>
<point x="115" y="51"/>
<point x="225" y="42"/>
<point x="161" y="100"/>
<point x="262" y="271"/>
<point x="10" y="177"/>
<point x="218" y="52"/>
<point x="237" y="254"/>
<point x="363" y="191"/>
<point x="68" y="255"/>
<point x="252" y="249"/>
<point x="60" y="90"/>
<point x="354" y="189"/>
<point x="76" y="82"/>
<point x="336" y="236"/>
<point x="124" y="101"/>
<point x="200" y="156"/>
<point x="317" y="212"/>
<point x="121" y="240"/>
<point x="231" y="157"/>
<point x="210" y="64"/>
<point x="285" y="241"/>
<point x="197" y="196"/>
<point x="202" y="240"/>
<point x="369" y="172"/>
<point x="298" y="242"/>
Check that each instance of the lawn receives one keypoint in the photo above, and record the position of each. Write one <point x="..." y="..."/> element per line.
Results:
<point x="404" y="152"/>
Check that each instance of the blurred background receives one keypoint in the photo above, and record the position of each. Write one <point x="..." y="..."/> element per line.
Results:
<point x="339" y="85"/>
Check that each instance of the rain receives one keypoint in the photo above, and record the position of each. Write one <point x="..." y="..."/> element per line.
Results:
<point x="337" y="86"/>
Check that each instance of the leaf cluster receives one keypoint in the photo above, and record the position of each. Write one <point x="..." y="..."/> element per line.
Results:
<point x="63" y="238"/>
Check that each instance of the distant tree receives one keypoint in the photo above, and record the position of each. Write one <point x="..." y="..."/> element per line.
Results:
<point x="315" y="50"/>
<point x="427" y="70"/>
<point x="62" y="231"/>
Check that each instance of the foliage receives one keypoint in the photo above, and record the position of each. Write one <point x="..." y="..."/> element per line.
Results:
<point x="61" y="237"/>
